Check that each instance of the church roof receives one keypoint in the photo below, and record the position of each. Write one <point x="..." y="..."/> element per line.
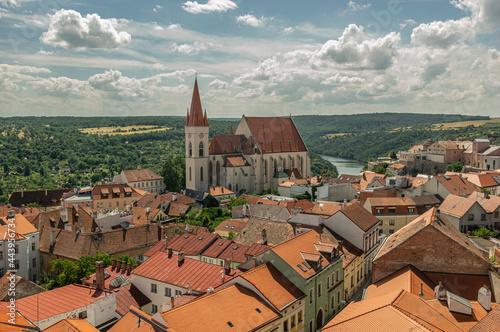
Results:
<point x="196" y="116"/>
<point x="275" y="134"/>
<point x="226" y="144"/>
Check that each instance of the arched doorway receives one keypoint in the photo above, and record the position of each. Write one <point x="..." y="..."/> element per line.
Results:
<point x="319" y="319"/>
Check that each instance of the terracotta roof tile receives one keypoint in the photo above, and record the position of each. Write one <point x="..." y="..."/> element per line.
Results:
<point x="193" y="274"/>
<point x="219" y="191"/>
<point x="127" y="296"/>
<point x="71" y="325"/>
<point x="22" y="226"/>
<point x="360" y="216"/>
<point x="235" y="304"/>
<point x="222" y="144"/>
<point x="191" y="244"/>
<point x="113" y="273"/>
<point x="490" y="203"/>
<point x="21" y="322"/>
<point x="234" y="225"/>
<point x="144" y="174"/>
<point x="216" y="248"/>
<point x="456" y="205"/>
<point x="457" y="185"/>
<point x="258" y="200"/>
<point x="488" y="323"/>
<point x="235" y="161"/>
<point x="106" y="189"/>
<point x="463" y="285"/>
<point x="177" y="209"/>
<point x="326" y="208"/>
<point x="134" y="321"/>
<point x="180" y="198"/>
<point x="24" y="287"/>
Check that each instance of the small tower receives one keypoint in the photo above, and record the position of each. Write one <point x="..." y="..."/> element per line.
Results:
<point x="196" y="130"/>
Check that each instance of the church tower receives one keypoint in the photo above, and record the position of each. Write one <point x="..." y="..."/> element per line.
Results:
<point x="196" y="131"/>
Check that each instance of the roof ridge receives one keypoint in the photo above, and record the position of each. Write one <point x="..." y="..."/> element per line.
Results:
<point x="293" y="238"/>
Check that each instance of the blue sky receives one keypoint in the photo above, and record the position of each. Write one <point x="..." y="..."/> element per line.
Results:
<point x="129" y="58"/>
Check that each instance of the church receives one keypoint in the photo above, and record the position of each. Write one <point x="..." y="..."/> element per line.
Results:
<point x="262" y="153"/>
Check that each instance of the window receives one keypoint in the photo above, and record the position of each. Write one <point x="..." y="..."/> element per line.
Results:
<point x="338" y="297"/>
<point x="483" y="216"/>
<point x="285" y="326"/>
<point x="311" y="325"/>
<point x="299" y="317"/>
<point x="470" y="217"/>
<point x="109" y="204"/>
<point x="496" y="214"/>
<point x="333" y="301"/>
<point x="328" y="282"/>
<point x="292" y="322"/>
<point x="337" y="275"/>
<point x="34" y="278"/>
<point x="190" y="149"/>
<point x="154" y="308"/>
<point x="190" y="174"/>
<point x="153" y="288"/>
<point x="357" y="276"/>
<point x="201" y="149"/>
<point x="82" y="314"/>
<point x="201" y="173"/>
<point x="311" y="293"/>
<point x="178" y="293"/>
<point x="391" y="231"/>
<point x="34" y="262"/>
<point x="392" y="222"/>
<point x="1" y="254"/>
<point x="380" y="211"/>
<point x="381" y="223"/>
<point x="379" y="232"/>
<point x="33" y="247"/>
<point x="392" y="211"/>
<point x="117" y="203"/>
<point x="352" y="280"/>
<point x="411" y="210"/>
<point x="333" y="278"/>
<point x="319" y="289"/>
<point x="168" y="292"/>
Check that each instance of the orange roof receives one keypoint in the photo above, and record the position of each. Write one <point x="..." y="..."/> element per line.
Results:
<point x="235" y="161"/>
<point x="234" y="225"/>
<point x="275" y="134"/>
<point x="273" y="285"/>
<point x="57" y="301"/>
<point x="219" y="191"/>
<point x="397" y="166"/>
<point x="195" y="116"/>
<point x="117" y="188"/>
<point x="456" y="205"/>
<point x="326" y="208"/>
<point x="238" y="309"/>
<point x="113" y="273"/>
<point x="21" y="321"/>
<point x="291" y="251"/>
<point x="133" y="321"/>
<point x="489" y="202"/>
<point x="71" y="325"/>
<point x="180" y="198"/>
<point x="22" y="227"/>
<point x="258" y="200"/>
<point x="145" y="174"/>
<point x="217" y="248"/>
<point x="464" y="285"/>
<point x="193" y="274"/>
<point x="191" y="244"/>
<point x="488" y="323"/>
<point x="298" y="182"/>
<point x="176" y="209"/>
<point x="360" y="216"/>
<point x="457" y="185"/>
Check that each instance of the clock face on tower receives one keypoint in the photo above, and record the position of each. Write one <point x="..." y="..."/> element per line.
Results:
<point x="189" y="135"/>
<point x="201" y="135"/>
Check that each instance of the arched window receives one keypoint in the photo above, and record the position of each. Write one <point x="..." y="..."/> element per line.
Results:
<point x="201" y="173"/>
<point x="189" y="173"/>
<point x="230" y="187"/>
<point x="190" y="149"/>
<point x="201" y="150"/>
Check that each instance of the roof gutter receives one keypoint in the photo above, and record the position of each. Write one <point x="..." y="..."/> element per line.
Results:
<point x="289" y="304"/>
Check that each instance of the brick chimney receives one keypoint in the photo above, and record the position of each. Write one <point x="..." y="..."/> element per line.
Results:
<point x="227" y="266"/>
<point x="484" y="297"/>
<point x="99" y="275"/>
<point x="180" y="258"/>
<point x="129" y="267"/>
<point x="341" y="246"/>
<point x="139" y="167"/>
<point x="169" y="252"/>
<point x="345" y="202"/>
<point x="113" y="263"/>
<point x="23" y="209"/>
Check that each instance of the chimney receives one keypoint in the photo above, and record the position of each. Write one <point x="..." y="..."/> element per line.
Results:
<point x="340" y="206"/>
<point x="210" y="290"/>
<point x="22" y="193"/>
<point x="345" y="202"/>
<point x="180" y="258"/>
<point x="227" y="266"/>
<point x="23" y="209"/>
<point x="440" y="292"/>
<point x="486" y="195"/>
<point x="169" y="252"/>
<point x="174" y="197"/>
<point x="139" y="167"/>
<point x="484" y="297"/>
<point x="118" y="265"/>
<point x="263" y="235"/>
<point x="129" y="267"/>
<point x="52" y="237"/>
<point x="99" y="275"/>
<point x="254" y="262"/>
<point x="46" y="192"/>
<point x="113" y="263"/>
<point x="11" y="214"/>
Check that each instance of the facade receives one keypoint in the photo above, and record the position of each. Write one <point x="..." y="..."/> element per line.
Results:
<point x="144" y="179"/>
<point x="24" y="256"/>
<point x="314" y="265"/>
<point x="250" y="158"/>
<point x="113" y="196"/>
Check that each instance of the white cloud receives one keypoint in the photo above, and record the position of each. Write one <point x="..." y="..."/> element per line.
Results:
<point x="62" y="87"/>
<point x="68" y="29"/>
<point x="175" y="26"/>
<point x="194" y="7"/>
<point x="352" y="6"/>
<point x="288" y="30"/>
<point x="194" y="48"/>
<point x="156" y="8"/>
<point x="443" y="35"/>
<point x="4" y="68"/>
<point x="494" y="54"/>
<point x="484" y="13"/>
<point x="252" y="20"/>
<point x="355" y="49"/>
<point x="406" y="23"/>
<point x="10" y="3"/>
<point x="218" y="84"/>
<point x="42" y="52"/>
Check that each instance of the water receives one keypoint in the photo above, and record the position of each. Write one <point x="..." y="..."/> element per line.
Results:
<point x="345" y="166"/>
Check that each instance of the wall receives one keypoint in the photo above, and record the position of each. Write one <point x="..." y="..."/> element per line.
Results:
<point x="24" y="256"/>
<point x="399" y="222"/>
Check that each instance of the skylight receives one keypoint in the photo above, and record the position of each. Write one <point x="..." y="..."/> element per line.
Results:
<point x="306" y="265"/>
<point x="230" y="324"/>
<point x="258" y="310"/>
<point x="301" y="267"/>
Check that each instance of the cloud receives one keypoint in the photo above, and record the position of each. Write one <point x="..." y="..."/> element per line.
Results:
<point x="68" y="29"/>
<point x="355" y="49"/>
<point x="10" y="3"/>
<point x="485" y="14"/>
<point x="194" y="48"/>
<point x="252" y="20"/>
<point x="288" y="30"/>
<point x="156" y="8"/>
<point x="62" y="87"/>
<point x="406" y="23"/>
<point x="218" y="84"/>
<point x="175" y="26"/>
<point x="42" y="52"/>
<point x="352" y="6"/>
<point x="194" y="7"/>
<point x="443" y="35"/>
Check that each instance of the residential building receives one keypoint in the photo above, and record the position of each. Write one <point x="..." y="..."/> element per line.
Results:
<point x="19" y="247"/>
<point x="230" y="225"/>
<point x="80" y="196"/>
<point x="166" y="275"/>
<point x="136" y="320"/>
<point x="144" y="179"/>
<point x="489" y="181"/>
<point x="469" y="213"/>
<point x="72" y="219"/>
<point x="294" y="187"/>
<point x="431" y="243"/>
<point x="47" y="199"/>
<point x="315" y="266"/>
<point x="264" y="231"/>
<point x="71" y="324"/>
<point x="221" y="193"/>
<point x="21" y="323"/>
<point x="246" y="159"/>
<point x="113" y="196"/>
<point x="23" y="287"/>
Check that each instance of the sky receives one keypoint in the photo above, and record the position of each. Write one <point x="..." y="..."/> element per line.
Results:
<point x="252" y="57"/>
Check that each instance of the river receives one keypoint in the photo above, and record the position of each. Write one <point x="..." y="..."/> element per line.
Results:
<point x="345" y="166"/>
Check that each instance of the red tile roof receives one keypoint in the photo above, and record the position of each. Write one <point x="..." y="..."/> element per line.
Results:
<point x="57" y="301"/>
<point x="235" y="161"/>
<point x="488" y="323"/>
<point x="134" y="321"/>
<point x="127" y="296"/>
<point x="326" y="208"/>
<point x="145" y="174"/>
<point x="176" y="209"/>
<point x="457" y="185"/>
<point x="193" y="274"/>
<point x="21" y="322"/>
<point x="113" y="273"/>
<point x="220" y="191"/>
<point x="195" y="116"/>
<point x="490" y="203"/>
<point x="235" y="252"/>
<point x="223" y="144"/>
<point x="23" y="287"/>
<point x="190" y="244"/>
<point x="360" y="216"/>
<point x="275" y="134"/>
<point x="71" y="325"/>
<point x="216" y="248"/>
<point x="180" y="198"/>
<point x="463" y="285"/>
<point x="234" y="225"/>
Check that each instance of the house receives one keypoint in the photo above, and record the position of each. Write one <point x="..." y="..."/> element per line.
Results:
<point x="273" y="212"/>
<point x="491" y="205"/>
<point x="315" y="266"/>
<point x="431" y="243"/>
<point x="404" y="311"/>
<point x="230" y="225"/>
<point x="396" y="169"/>
<point x="264" y="231"/>
<point x="140" y="178"/>
<point x="131" y="241"/>
<point x="469" y="214"/>
<point x="489" y="181"/>
<point x="136" y="320"/>
<point x="165" y="275"/>
<point x="482" y="155"/>
<point x="246" y="159"/>
<point x="72" y="301"/>
<point x="19" y="243"/>
<point x="150" y="209"/>
<point x="47" y="199"/>
<point x="71" y="324"/>
<point x="113" y="196"/>
<point x="72" y="219"/>
<point x="294" y="187"/>
<point x="80" y="196"/>
<point x="22" y="286"/>
<point x="221" y="193"/>
<point x="359" y="227"/>
<point x="21" y="324"/>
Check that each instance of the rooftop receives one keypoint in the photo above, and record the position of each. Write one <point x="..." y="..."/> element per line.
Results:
<point x="360" y="216"/>
<point x="71" y="325"/>
<point x="134" y="320"/>
<point x="144" y="174"/>
<point x="234" y="225"/>
<point x="192" y="244"/>
<point x="276" y="231"/>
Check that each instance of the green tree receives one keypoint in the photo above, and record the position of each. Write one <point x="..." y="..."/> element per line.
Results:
<point x="379" y="170"/>
<point x="392" y="155"/>
<point x="236" y="202"/>
<point x="174" y="173"/>
<point x="231" y="235"/>
<point x="455" y="167"/>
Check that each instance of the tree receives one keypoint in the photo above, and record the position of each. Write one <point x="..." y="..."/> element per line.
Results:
<point x="392" y="155"/>
<point x="231" y="235"/>
<point x="455" y="167"/>
<point x="236" y="202"/>
<point x="174" y="173"/>
<point x="210" y="201"/>
<point x="379" y="170"/>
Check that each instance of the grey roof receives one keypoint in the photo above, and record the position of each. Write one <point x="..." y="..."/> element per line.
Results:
<point x="459" y="299"/>
<point x="195" y="194"/>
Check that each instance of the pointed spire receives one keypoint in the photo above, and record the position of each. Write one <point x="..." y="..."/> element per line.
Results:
<point x="231" y="132"/>
<point x="205" y="119"/>
<point x="196" y="117"/>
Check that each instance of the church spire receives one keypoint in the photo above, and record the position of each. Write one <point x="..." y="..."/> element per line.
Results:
<point x="196" y="117"/>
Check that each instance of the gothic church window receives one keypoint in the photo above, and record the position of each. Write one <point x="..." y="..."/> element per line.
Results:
<point x="201" y="149"/>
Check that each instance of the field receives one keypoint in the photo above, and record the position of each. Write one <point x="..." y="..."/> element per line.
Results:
<point x="462" y="124"/>
<point x="123" y="130"/>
